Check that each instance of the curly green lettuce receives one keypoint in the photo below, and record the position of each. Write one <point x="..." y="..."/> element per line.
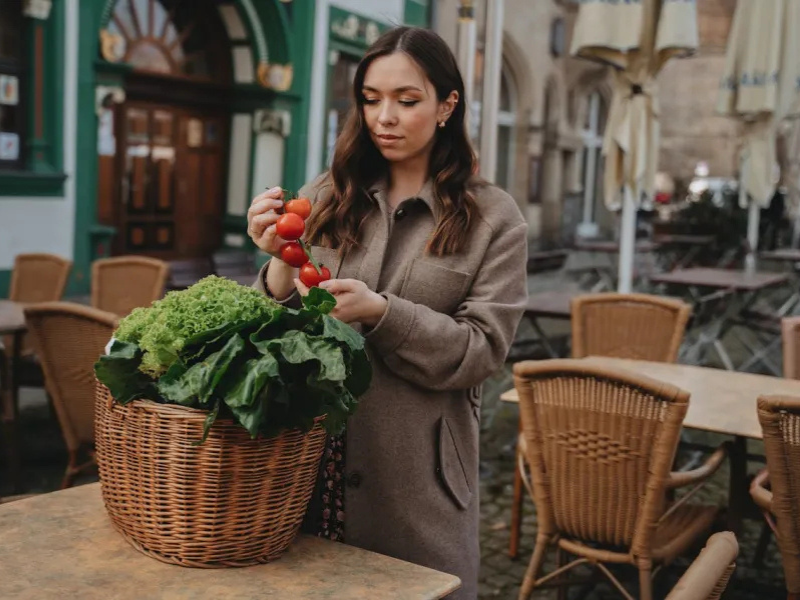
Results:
<point x="163" y="329"/>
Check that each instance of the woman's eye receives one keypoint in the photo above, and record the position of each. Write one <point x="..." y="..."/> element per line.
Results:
<point x="370" y="100"/>
<point x="408" y="102"/>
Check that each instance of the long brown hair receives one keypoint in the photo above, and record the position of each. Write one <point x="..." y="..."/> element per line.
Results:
<point x="358" y="164"/>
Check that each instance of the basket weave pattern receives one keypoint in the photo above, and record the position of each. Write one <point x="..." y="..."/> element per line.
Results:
<point x="229" y="502"/>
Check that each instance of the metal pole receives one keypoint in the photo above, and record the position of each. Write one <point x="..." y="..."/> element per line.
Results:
<point x="493" y="66"/>
<point x="627" y="242"/>
<point x="467" y="46"/>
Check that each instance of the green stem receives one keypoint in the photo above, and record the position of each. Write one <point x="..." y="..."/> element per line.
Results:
<point x="307" y="250"/>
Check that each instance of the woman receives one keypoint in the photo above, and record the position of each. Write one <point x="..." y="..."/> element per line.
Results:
<point x="430" y="265"/>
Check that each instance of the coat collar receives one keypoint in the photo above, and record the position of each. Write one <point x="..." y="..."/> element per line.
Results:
<point x="379" y="191"/>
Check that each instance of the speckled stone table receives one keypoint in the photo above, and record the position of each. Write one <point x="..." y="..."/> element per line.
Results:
<point x="62" y="545"/>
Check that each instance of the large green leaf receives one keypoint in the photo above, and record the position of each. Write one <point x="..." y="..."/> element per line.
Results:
<point x="119" y="372"/>
<point x="318" y="301"/>
<point x="342" y="332"/>
<point x="297" y="347"/>
<point x="197" y="383"/>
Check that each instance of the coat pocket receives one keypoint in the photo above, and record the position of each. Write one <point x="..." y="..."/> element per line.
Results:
<point x="453" y="473"/>
<point x="327" y="257"/>
<point x="434" y="286"/>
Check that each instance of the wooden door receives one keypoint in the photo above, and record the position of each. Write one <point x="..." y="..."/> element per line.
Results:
<point x="170" y="174"/>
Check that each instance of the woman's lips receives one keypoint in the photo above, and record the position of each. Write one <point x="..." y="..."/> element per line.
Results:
<point x="387" y="138"/>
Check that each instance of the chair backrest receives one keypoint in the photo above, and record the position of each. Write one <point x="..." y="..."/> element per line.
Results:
<point x="708" y="576"/>
<point x="790" y="332"/>
<point x="600" y="445"/>
<point x="123" y="283"/>
<point x="38" y="278"/>
<point x="780" y="422"/>
<point x="638" y="326"/>
<point x="69" y="338"/>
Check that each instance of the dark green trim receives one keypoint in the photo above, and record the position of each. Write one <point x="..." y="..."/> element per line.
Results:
<point x="417" y="13"/>
<point x="5" y="282"/>
<point x="339" y="16"/>
<point x="90" y="12"/>
<point x="29" y="183"/>
<point x="302" y="49"/>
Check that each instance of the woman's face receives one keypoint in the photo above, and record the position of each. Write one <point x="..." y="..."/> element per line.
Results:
<point x="401" y="109"/>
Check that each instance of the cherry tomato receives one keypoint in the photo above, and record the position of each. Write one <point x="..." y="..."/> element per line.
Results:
<point x="290" y="226"/>
<point x="310" y="277"/>
<point x="293" y="254"/>
<point x="299" y="206"/>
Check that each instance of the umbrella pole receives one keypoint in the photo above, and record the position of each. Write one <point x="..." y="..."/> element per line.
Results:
<point x="754" y="214"/>
<point x="627" y="242"/>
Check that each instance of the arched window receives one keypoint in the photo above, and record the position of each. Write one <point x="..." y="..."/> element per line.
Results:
<point x="506" y="128"/>
<point x="594" y="125"/>
<point x="171" y="37"/>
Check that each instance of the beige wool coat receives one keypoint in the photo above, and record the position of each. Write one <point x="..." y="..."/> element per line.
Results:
<point x="412" y="446"/>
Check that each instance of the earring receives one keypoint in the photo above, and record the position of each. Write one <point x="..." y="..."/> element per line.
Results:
<point x="441" y="124"/>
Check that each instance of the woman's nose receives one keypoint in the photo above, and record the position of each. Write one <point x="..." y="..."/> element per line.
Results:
<point x="388" y="115"/>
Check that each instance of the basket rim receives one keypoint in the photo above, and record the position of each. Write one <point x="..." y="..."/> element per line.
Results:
<point x="189" y="412"/>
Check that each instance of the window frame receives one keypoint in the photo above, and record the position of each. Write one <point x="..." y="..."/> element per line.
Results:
<point x="18" y="68"/>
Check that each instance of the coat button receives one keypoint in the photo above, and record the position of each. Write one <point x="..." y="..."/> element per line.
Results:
<point x="399" y="214"/>
<point x="354" y="480"/>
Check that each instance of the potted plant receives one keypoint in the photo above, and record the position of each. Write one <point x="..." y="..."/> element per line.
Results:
<point x="212" y="409"/>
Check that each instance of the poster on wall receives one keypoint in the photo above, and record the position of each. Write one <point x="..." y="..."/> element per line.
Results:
<point x="106" y="142"/>
<point x="9" y="90"/>
<point x="9" y="146"/>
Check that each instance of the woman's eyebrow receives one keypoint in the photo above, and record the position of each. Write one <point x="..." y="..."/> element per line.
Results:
<point x="399" y="90"/>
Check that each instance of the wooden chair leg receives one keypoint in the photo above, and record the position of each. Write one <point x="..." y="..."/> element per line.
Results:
<point x="762" y="545"/>
<point x="646" y="583"/>
<point x="563" y="579"/>
<point x="71" y="471"/>
<point x="516" y="511"/>
<point x="533" y="568"/>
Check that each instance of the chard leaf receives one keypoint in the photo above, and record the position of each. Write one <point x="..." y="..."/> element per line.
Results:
<point x="196" y="384"/>
<point x="209" y="421"/>
<point x="119" y="372"/>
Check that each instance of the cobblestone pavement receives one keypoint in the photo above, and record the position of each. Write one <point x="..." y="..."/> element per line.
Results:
<point x="500" y="577"/>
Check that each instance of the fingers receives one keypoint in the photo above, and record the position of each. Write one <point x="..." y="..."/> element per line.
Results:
<point x="273" y="193"/>
<point x="301" y="287"/>
<point x="340" y="286"/>
<point x="262" y="206"/>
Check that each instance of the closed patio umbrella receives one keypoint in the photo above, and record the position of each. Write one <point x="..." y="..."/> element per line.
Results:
<point x="637" y="38"/>
<point x="759" y="87"/>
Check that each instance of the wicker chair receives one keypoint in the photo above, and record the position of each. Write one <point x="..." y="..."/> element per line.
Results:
<point x="708" y="576"/>
<point x="775" y="490"/>
<point x="69" y="338"/>
<point x="790" y="332"/>
<point x="123" y="283"/>
<point x="638" y="326"/>
<point x="36" y="278"/>
<point x="599" y="445"/>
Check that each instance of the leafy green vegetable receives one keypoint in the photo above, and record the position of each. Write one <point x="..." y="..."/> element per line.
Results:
<point x="212" y="306"/>
<point x="218" y="347"/>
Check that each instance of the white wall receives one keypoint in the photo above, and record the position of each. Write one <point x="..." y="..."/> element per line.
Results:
<point x="48" y="224"/>
<point x="387" y="11"/>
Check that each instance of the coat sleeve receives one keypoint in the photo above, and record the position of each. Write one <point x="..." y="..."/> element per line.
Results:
<point x="444" y="352"/>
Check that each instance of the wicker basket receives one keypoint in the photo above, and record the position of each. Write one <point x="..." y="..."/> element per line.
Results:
<point x="229" y="502"/>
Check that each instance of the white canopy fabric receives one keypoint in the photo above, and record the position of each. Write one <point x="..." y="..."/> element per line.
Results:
<point x="760" y="85"/>
<point x="637" y="38"/>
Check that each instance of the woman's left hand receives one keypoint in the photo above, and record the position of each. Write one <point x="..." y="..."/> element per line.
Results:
<point x="355" y="302"/>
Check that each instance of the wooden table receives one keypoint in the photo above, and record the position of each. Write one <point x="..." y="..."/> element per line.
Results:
<point x="743" y="287"/>
<point x="12" y="322"/>
<point x="62" y="545"/>
<point x="684" y="248"/>
<point x="781" y="254"/>
<point x="554" y="304"/>
<point x="721" y="402"/>
<point x="612" y="247"/>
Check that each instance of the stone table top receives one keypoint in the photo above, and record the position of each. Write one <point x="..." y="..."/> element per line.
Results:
<point x="721" y="401"/>
<point x="721" y="278"/>
<point x="12" y="318"/>
<point x="62" y="545"/>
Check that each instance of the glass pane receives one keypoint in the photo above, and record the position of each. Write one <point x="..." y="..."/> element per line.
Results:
<point x="10" y="30"/>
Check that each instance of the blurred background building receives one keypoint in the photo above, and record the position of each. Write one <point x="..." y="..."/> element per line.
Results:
<point x="145" y="126"/>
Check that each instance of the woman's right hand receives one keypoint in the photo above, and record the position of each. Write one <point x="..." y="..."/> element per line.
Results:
<point x="261" y="218"/>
